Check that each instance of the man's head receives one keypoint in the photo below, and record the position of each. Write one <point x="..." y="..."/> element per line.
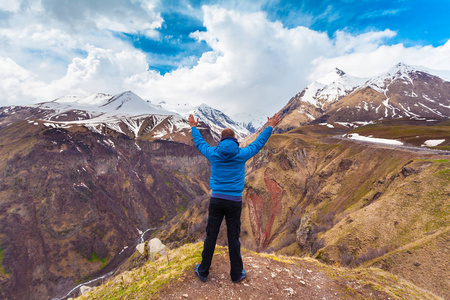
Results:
<point x="227" y="132"/>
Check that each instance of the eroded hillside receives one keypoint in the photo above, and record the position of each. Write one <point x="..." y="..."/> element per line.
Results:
<point x="73" y="200"/>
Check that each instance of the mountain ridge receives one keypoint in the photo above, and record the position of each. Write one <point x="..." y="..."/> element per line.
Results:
<point x="401" y="92"/>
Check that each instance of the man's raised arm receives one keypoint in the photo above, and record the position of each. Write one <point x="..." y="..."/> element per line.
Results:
<point x="200" y="143"/>
<point x="261" y="140"/>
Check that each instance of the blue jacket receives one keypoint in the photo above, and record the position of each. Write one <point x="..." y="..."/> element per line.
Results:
<point x="228" y="161"/>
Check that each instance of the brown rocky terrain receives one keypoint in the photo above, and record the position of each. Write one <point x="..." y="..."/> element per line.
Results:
<point x="268" y="277"/>
<point x="72" y="198"/>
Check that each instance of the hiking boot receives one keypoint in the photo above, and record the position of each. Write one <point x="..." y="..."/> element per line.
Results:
<point x="243" y="275"/>
<point x="202" y="278"/>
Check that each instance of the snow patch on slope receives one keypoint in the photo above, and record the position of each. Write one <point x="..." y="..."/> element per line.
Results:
<point x="355" y="136"/>
<point x="432" y="143"/>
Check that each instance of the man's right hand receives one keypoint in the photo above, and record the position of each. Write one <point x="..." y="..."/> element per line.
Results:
<point x="192" y="121"/>
<point x="274" y="120"/>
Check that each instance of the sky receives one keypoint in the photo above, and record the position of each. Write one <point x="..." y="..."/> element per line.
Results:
<point x="237" y="56"/>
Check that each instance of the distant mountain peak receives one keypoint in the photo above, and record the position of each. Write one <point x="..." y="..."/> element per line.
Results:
<point x="330" y="88"/>
<point x="218" y="121"/>
<point x="330" y="77"/>
<point x="400" y="71"/>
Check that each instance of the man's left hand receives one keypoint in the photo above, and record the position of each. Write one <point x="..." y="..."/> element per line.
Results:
<point x="192" y="121"/>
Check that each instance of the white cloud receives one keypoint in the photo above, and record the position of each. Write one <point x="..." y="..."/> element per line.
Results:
<point x="16" y="83"/>
<point x="10" y="5"/>
<point x="103" y="70"/>
<point x="346" y="43"/>
<point x="254" y="64"/>
<point x="117" y="15"/>
<point x="371" y="63"/>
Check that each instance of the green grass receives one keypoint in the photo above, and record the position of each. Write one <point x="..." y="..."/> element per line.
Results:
<point x="149" y="280"/>
<point x="3" y="272"/>
<point x="444" y="172"/>
<point x="95" y="258"/>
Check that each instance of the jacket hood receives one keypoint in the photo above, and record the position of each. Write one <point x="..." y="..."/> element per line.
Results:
<point x="228" y="147"/>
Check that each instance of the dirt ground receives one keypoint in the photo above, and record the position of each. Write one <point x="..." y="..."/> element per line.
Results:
<point x="268" y="279"/>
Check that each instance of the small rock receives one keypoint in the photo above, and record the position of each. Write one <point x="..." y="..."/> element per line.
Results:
<point x="126" y="278"/>
<point x="246" y="284"/>
<point x="273" y="275"/>
<point x="416" y="264"/>
<point x="302" y="282"/>
<point x="290" y="290"/>
<point x="155" y="245"/>
<point x="185" y="295"/>
<point x="407" y="171"/>
<point x="309" y="271"/>
<point x="85" y="289"/>
<point x="140" y="248"/>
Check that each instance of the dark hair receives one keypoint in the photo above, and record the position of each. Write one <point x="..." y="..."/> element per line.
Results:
<point x="227" y="132"/>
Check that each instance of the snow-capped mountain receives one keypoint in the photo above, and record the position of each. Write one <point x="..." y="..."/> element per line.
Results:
<point x="126" y="103"/>
<point x="130" y="103"/>
<point x="330" y="88"/>
<point x="215" y="119"/>
<point x="401" y="92"/>
<point x="316" y="98"/>
<point x="403" y="72"/>
<point x="125" y="113"/>
<point x="218" y="121"/>
<point x="250" y="121"/>
<point x="129" y="114"/>
<point x="93" y="100"/>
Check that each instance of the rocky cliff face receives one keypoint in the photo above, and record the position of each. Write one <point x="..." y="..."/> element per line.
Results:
<point x="73" y="197"/>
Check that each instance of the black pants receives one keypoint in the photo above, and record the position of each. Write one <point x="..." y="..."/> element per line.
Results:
<point x="218" y="208"/>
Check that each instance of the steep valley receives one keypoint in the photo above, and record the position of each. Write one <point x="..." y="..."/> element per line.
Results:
<point x="72" y="200"/>
<point x="342" y="202"/>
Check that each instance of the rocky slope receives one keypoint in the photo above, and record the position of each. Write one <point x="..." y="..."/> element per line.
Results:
<point x="269" y="277"/>
<point x="78" y="188"/>
<point x="345" y="202"/>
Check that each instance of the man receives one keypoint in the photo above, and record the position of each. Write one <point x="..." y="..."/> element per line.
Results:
<point x="227" y="184"/>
